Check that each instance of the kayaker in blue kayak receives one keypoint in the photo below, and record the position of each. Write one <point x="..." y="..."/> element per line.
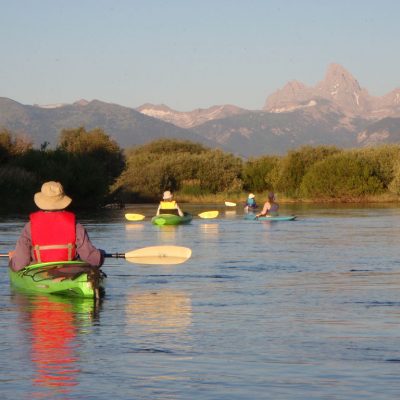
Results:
<point x="251" y="204"/>
<point x="168" y="205"/>
<point x="271" y="207"/>
<point x="52" y="233"/>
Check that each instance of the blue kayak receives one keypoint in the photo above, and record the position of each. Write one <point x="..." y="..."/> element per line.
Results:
<point x="253" y="217"/>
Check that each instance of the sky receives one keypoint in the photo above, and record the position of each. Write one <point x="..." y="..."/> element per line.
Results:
<point x="190" y="54"/>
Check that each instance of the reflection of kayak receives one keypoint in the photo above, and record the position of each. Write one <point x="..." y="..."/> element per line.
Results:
<point x="271" y="218"/>
<point x="70" y="278"/>
<point x="171" y="219"/>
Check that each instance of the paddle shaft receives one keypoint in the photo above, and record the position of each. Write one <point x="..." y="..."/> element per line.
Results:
<point x="114" y="255"/>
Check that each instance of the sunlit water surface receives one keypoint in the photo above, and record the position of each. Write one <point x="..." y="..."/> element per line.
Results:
<point x="307" y="309"/>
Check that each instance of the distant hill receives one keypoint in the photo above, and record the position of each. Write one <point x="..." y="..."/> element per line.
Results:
<point x="258" y="133"/>
<point x="127" y="126"/>
<point x="386" y="130"/>
<point x="189" y="119"/>
<point x="337" y="111"/>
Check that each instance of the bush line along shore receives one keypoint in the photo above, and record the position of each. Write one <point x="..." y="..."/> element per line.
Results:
<point x="95" y="171"/>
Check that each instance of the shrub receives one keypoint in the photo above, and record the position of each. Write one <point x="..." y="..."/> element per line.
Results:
<point x="341" y="176"/>
<point x="295" y="165"/>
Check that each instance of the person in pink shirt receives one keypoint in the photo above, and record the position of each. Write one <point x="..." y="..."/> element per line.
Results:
<point x="52" y="233"/>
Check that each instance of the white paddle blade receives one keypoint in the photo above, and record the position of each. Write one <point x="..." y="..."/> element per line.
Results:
<point x="209" y="214"/>
<point x="134" y="217"/>
<point x="159" y="255"/>
<point x="230" y="204"/>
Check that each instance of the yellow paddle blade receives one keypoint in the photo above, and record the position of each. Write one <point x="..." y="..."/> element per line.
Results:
<point x="209" y="214"/>
<point x="159" y="255"/>
<point x="134" y="217"/>
<point x="230" y="204"/>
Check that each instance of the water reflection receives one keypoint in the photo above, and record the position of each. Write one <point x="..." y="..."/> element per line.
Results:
<point x="230" y="214"/>
<point x="160" y="320"/>
<point x="209" y="229"/>
<point x="52" y="325"/>
<point x="167" y="232"/>
<point x="134" y="227"/>
<point x="159" y="312"/>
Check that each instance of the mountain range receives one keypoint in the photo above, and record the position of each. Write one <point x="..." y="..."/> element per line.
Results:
<point x="336" y="111"/>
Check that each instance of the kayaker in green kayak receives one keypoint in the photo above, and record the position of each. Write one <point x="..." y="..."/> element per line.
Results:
<point x="271" y="207"/>
<point x="52" y="233"/>
<point x="168" y="205"/>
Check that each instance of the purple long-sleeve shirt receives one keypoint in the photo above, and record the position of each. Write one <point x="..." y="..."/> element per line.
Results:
<point x="84" y="249"/>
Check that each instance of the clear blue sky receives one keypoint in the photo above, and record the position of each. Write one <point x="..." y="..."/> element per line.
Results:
<point x="191" y="54"/>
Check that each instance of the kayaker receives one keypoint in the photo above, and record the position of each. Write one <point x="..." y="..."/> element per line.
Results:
<point x="168" y="205"/>
<point x="271" y="207"/>
<point x="250" y="203"/>
<point x="52" y="233"/>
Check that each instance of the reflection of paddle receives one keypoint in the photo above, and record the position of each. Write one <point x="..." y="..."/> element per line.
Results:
<point x="155" y="255"/>
<point x="230" y="204"/>
<point x="140" y="217"/>
<point x="152" y="255"/>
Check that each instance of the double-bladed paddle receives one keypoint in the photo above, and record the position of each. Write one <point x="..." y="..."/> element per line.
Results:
<point x="140" y="217"/>
<point x="161" y="255"/>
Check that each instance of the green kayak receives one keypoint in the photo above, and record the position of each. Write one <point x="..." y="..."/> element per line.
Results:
<point x="171" y="219"/>
<point x="69" y="278"/>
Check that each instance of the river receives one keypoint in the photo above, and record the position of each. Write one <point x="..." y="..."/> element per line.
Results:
<point x="304" y="309"/>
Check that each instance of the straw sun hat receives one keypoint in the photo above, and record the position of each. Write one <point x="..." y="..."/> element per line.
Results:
<point x="52" y="197"/>
<point x="167" y="195"/>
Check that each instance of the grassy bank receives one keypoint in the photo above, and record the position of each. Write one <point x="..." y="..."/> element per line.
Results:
<point x="240" y="198"/>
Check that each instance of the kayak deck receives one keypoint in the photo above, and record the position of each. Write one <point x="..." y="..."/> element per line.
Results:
<point x="68" y="278"/>
<point x="270" y="218"/>
<point x="171" y="219"/>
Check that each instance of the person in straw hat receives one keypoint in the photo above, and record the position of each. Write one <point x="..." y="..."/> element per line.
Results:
<point x="52" y="233"/>
<point x="168" y="205"/>
<point x="250" y="204"/>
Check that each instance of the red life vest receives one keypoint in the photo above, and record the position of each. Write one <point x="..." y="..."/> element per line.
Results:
<point x="53" y="235"/>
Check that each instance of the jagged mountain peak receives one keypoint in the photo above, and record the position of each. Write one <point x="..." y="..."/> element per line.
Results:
<point x="337" y="72"/>
<point x="338" y="86"/>
<point x="338" y="81"/>
<point x="81" y="102"/>
<point x="150" y="106"/>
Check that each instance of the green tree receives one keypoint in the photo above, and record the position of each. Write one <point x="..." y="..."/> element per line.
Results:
<point x="220" y="172"/>
<point x="383" y="159"/>
<point x="97" y="145"/>
<point x="295" y="165"/>
<point x="258" y="173"/>
<point x="175" y="165"/>
<point x="12" y="145"/>
<point x="17" y="186"/>
<point x="341" y="176"/>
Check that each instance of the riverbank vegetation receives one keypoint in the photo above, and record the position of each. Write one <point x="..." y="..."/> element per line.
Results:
<point x="95" y="171"/>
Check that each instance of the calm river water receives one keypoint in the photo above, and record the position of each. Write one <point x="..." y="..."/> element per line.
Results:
<point x="307" y="309"/>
